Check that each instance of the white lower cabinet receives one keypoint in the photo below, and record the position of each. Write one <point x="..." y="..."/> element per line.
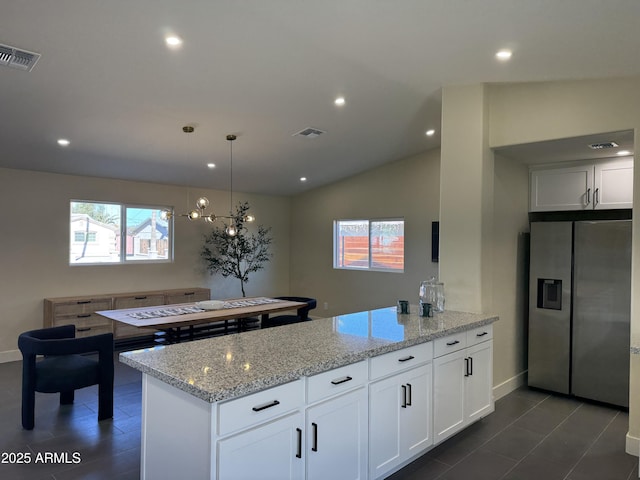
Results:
<point x="400" y="409"/>
<point x="336" y="438"/>
<point x="462" y="382"/>
<point x="273" y="451"/>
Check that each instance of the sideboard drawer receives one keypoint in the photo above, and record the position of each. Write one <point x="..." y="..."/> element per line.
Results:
<point x="258" y="407"/>
<point x="400" y="360"/>
<point x="335" y="381"/>
<point x="85" y="305"/>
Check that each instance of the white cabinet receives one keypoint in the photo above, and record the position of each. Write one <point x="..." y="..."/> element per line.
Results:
<point x="274" y="450"/>
<point x="589" y="186"/>
<point x="337" y="423"/>
<point x="336" y="437"/>
<point x="400" y="409"/>
<point x="462" y="381"/>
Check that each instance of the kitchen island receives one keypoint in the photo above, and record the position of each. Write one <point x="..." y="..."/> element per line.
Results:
<point x="315" y="398"/>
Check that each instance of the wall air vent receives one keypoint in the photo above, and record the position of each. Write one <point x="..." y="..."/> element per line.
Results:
<point x="308" y="133"/>
<point x="15" y="58"/>
<point x="600" y="146"/>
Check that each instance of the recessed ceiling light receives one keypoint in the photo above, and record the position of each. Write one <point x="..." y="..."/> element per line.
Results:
<point x="339" y="101"/>
<point x="430" y="132"/>
<point x="504" y="54"/>
<point x="624" y="152"/>
<point x="303" y="179"/>
<point x="173" y="41"/>
<point x="63" y="142"/>
<point x="211" y="165"/>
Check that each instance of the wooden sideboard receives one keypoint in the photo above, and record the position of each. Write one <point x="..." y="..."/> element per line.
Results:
<point x="80" y="310"/>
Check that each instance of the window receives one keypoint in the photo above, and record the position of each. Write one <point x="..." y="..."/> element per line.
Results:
<point x="369" y="245"/>
<point x="117" y="233"/>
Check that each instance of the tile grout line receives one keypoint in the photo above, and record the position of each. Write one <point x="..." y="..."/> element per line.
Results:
<point x="591" y="445"/>
<point x="543" y="439"/>
<point x="489" y="439"/>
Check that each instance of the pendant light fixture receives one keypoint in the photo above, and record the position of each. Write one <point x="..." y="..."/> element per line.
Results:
<point x="202" y="203"/>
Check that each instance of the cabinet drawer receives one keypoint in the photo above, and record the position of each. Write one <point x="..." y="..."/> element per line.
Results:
<point x="400" y="360"/>
<point x="135" y="301"/>
<point x="88" y="305"/>
<point x="336" y="381"/>
<point x="93" y="330"/>
<point x="259" y="407"/>
<point x="479" y="335"/>
<point x="81" y="320"/>
<point x="450" y="343"/>
<point x="187" y="296"/>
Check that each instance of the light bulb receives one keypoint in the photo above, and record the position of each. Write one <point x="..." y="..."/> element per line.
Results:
<point x="249" y="218"/>
<point x="231" y="230"/>
<point x="193" y="215"/>
<point x="165" y="214"/>
<point x="202" y="203"/>
<point x="209" y="218"/>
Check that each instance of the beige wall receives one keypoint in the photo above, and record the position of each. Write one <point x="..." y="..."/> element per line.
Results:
<point x="529" y="112"/>
<point x="510" y="266"/>
<point x="34" y="223"/>
<point x="407" y="188"/>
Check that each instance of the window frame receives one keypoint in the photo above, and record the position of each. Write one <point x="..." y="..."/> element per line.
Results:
<point x="368" y="268"/>
<point x="123" y="207"/>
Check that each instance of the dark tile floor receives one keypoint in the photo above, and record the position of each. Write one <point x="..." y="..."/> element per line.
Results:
<point x="531" y="435"/>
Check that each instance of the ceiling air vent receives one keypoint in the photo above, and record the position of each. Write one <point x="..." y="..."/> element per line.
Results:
<point x="308" y="133"/>
<point x="16" y="58"/>
<point x="600" y="146"/>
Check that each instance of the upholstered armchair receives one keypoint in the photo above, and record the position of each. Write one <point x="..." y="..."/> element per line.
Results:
<point x="63" y="369"/>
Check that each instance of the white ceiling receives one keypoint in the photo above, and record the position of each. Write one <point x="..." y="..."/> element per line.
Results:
<point x="265" y="69"/>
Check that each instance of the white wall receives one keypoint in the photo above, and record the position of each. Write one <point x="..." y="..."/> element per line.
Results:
<point x="407" y="188"/>
<point x="34" y="236"/>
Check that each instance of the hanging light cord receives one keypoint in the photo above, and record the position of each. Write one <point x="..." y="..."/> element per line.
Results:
<point x="231" y="138"/>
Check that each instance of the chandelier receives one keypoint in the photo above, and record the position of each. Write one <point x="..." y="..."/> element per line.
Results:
<point x="199" y="213"/>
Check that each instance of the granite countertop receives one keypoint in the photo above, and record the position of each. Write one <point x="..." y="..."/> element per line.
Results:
<point x="635" y="343"/>
<point x="231" y="366"/>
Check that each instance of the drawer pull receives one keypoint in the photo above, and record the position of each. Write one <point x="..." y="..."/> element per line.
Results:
<point x="314" y="448"/>
<point x="299" y="452"/>
<point x="190" y="293"/>
<point x="341" y="380"/>
<point x="84" y="315"/>
<point x="85" y="329"/>
<point x="265" y="406"/>
<point x="449" y="344"/>
<point x="140" y="298"/>
<point x="81" y="302"/>
<point x="482" y="334"/>
<point x="406" y="359"/>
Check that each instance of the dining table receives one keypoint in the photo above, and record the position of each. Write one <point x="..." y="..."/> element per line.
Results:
<point x="187" y="321"/>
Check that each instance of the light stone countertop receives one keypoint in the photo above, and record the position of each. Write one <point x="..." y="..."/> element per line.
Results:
<point x="635" y="344"/>
<point x="234" y="365"/>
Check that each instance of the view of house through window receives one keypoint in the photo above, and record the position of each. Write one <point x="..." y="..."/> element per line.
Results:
<point x="116" y="233"/>
<point x="369" y="244"/>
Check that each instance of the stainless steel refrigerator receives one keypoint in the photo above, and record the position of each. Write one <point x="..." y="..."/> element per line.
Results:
<point x="579" y="308"/>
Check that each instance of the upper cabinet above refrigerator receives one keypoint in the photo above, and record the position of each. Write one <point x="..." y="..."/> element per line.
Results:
<point x="601" y="185"/>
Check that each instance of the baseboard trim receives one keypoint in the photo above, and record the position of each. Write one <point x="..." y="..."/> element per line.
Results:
<point x="10" y="356"/>
<point x="510" y="385"/>
<point x="632" y="446"/>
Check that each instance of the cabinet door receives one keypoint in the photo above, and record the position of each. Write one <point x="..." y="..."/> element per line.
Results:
<point x="567" y="188"/>
<point x="415" y="420"/>
<point x="399" y="419"/>
<point x="448" y="395"/>
<point x="613" y="185"/>
<point x="385" y="403"/>
<point x="479" y="381"/>
<point x="272" y="451"/>
<point x="337" y="438"/>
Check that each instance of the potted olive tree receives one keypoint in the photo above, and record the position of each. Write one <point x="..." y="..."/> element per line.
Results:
<point x="237" y="255"/>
